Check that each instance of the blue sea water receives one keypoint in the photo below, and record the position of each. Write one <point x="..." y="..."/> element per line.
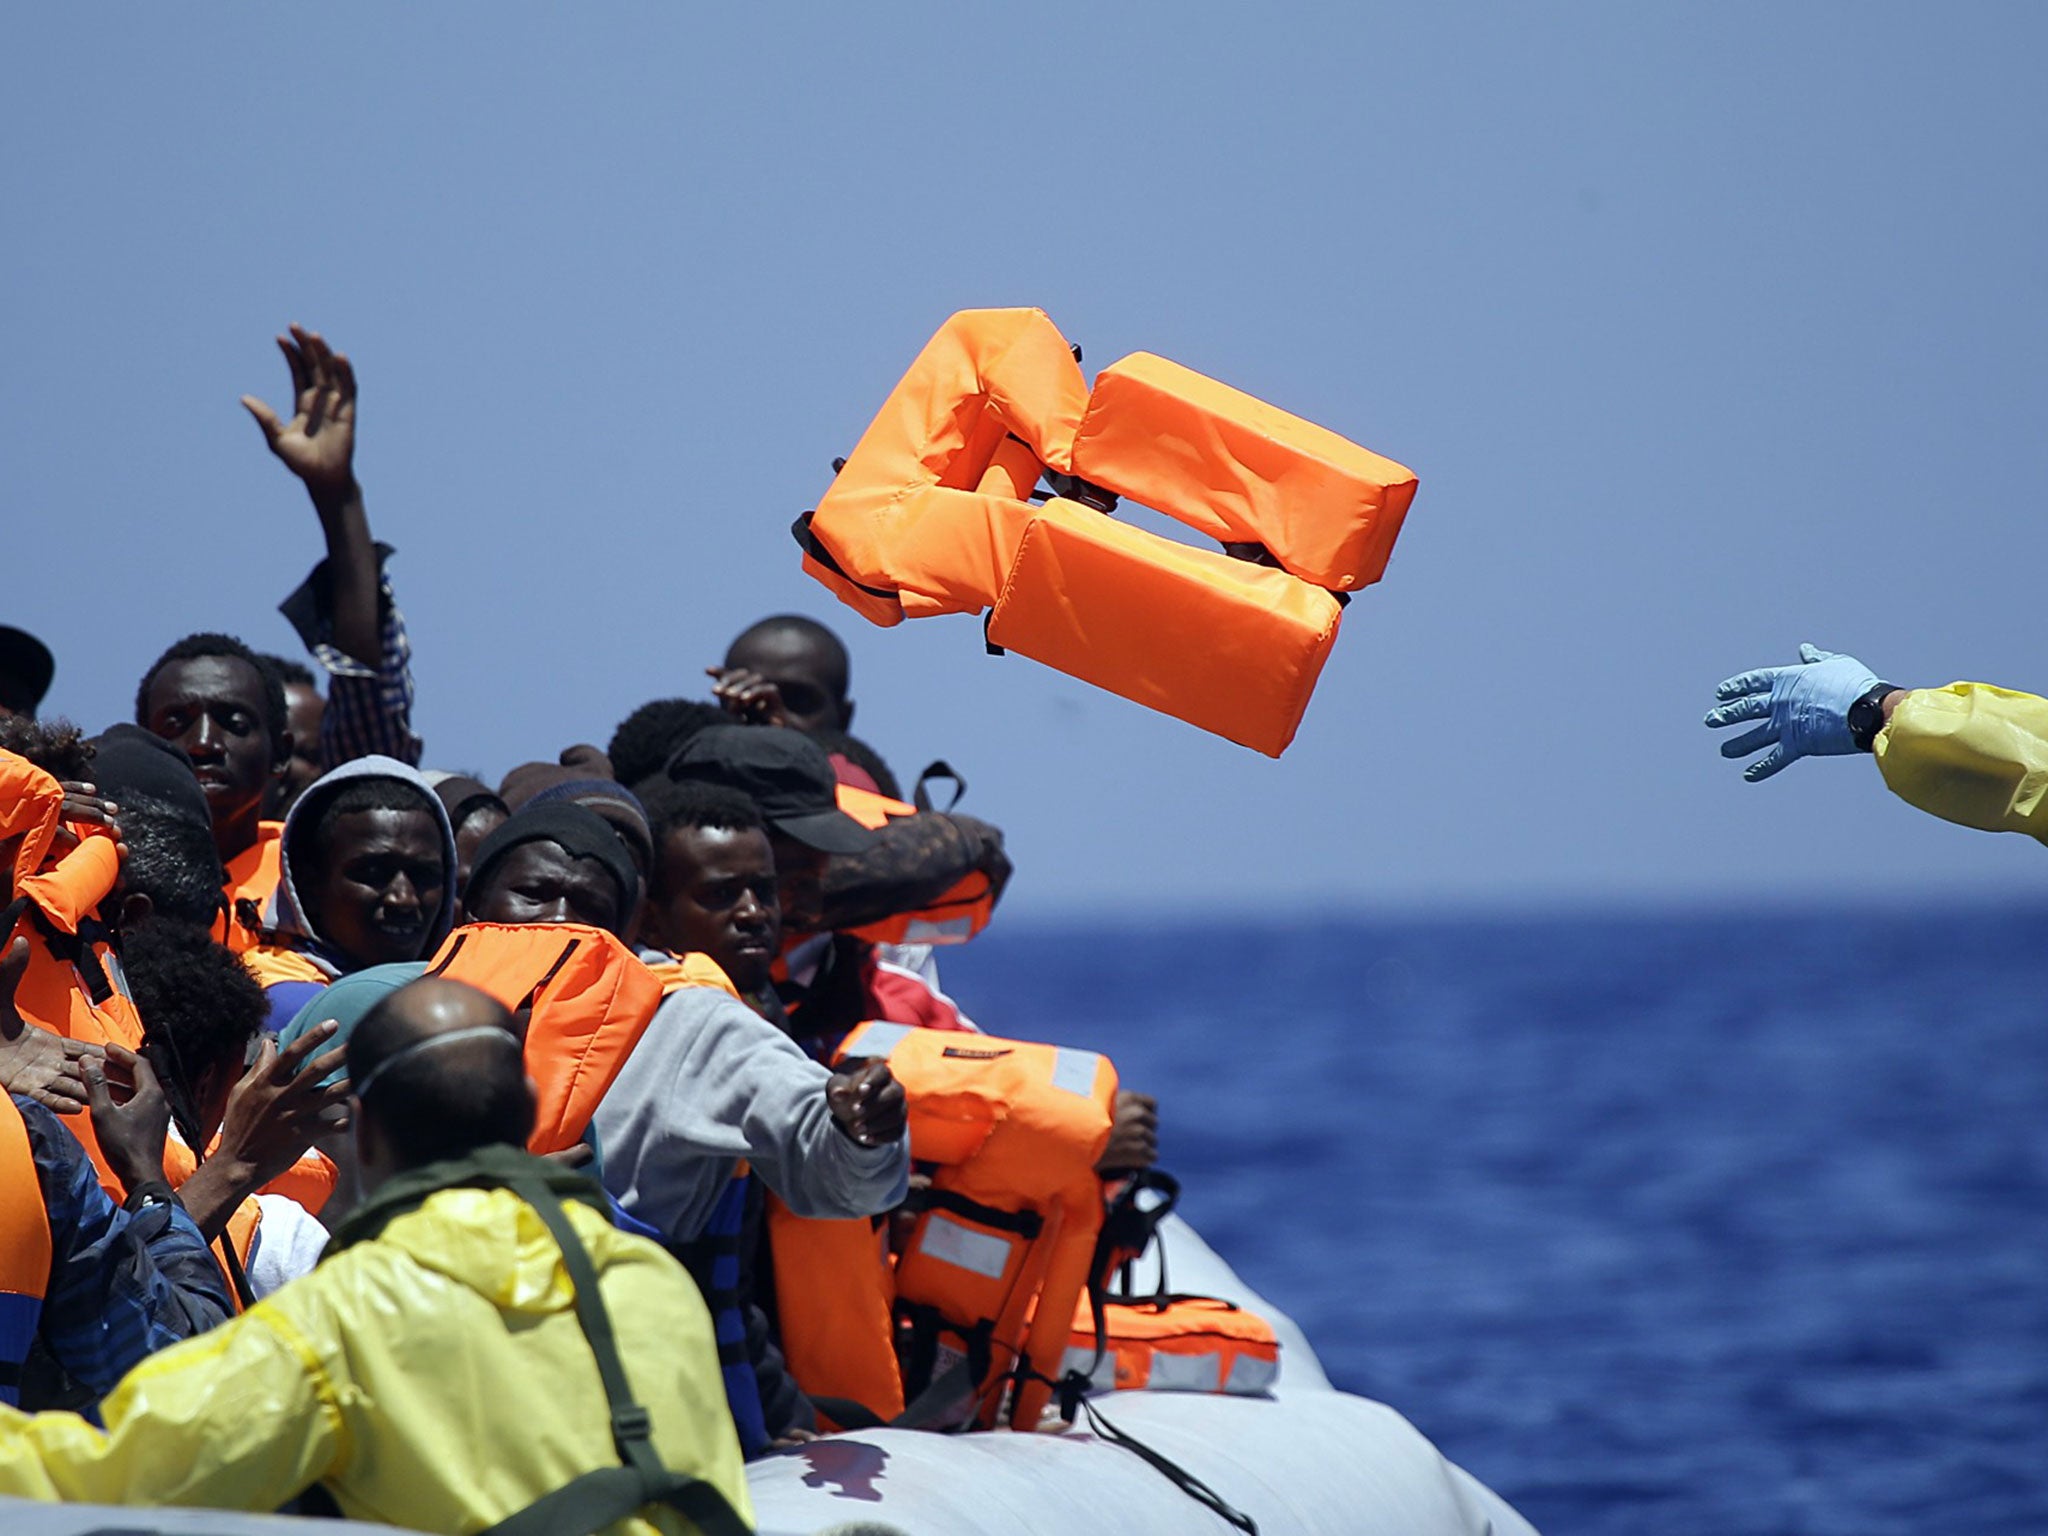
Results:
<point x="1671" y="1223"/>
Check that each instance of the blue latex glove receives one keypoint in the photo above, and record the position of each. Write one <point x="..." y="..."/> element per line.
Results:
<point x="1805" y="709"/>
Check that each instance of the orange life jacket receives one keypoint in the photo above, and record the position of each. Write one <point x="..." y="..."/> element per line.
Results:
<point x="273" y="963"/>
<point x="590" y="997"/>
<point x="1175" y="1344"/>
<point x="1008" y="1227"/>
<point x="73" y="982"/>
<point x="931" y="513"/>
<point x="692" y="970"/>
<point x="252" y="879"/>
<point x="24" y="1249"/>
<point x="957" y="916"/>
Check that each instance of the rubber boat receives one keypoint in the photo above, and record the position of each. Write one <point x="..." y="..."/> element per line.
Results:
<point x="1307" y="1460"/>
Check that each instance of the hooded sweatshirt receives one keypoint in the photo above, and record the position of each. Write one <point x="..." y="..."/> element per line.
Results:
<point x="298" y="963"/>
<point x="434" y="1377"/>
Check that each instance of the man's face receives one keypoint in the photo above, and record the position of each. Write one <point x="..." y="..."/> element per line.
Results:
<point x="303" y="707"/>
<point x="378" y="885"/>
<point x="811" y="686"/>
<point x="718" y="899"/>
<point x="212" y="707"/>
<point x="542" y="882"/>
<point x="799" y="883"/>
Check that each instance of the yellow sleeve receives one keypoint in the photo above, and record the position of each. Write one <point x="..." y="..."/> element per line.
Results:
<point x="238" y="1418"/>
<point x="1970" y="753"/>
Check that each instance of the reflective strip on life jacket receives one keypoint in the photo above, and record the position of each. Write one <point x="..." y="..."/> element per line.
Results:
<point x="931" y="514"/>
<point x="590" y="999"/>
<point x="24" y="1249"/>
<point x="1176" y="1344"/>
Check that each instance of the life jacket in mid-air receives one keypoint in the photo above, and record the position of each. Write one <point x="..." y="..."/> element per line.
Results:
<point x="933" y="512"/>
<point x="589" y="1001"/>
<point x="1003" y="1244"/>
<point x="24" y="1249"/>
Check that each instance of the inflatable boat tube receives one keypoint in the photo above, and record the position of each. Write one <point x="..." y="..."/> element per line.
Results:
<point x="1306" y="1461"/>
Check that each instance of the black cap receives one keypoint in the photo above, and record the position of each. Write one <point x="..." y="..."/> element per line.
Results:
<point x="785" y="773"/>
<point x="26" y="667"/>
<point x="127" y="760"/>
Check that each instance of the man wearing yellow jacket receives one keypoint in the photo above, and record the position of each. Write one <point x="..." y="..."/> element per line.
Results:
<point x="1968" y="753"/>
<point x="439" y="1370"/>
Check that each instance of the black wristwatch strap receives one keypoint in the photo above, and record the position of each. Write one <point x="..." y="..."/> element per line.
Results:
<point x="1866" y="716"/>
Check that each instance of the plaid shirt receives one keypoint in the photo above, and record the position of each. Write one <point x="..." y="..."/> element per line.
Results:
<point x="369" y="709"/>
<point x="122" y="1286"/>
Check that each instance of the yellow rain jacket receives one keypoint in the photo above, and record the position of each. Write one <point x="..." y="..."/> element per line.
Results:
<point x="1970" y="753"/>
<point x="434" y="1377"/>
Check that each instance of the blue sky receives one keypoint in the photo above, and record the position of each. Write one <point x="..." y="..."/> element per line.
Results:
<point x="1708" y="330"/>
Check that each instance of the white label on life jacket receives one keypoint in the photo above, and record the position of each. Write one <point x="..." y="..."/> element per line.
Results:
<point x="1074" y="1070"/>
<point x="946" y="1240"/>
<point x="950" y="930"/>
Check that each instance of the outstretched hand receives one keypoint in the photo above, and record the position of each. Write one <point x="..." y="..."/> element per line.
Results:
<point x="37" y="1063"/>
<point x="278" y="1107"/>
<point x="1805" y="709"/>
<point x="868" y="1105"/>
<point x="318" y="444"/>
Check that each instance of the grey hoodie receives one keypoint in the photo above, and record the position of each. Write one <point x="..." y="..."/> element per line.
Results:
<point x="287" y="913"/>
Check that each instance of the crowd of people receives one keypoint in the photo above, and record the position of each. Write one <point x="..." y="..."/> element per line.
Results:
<point x="385" y="1139"/>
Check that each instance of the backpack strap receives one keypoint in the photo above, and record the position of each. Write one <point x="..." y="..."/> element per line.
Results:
<point x="593" y="1501"/>
<point x="589" y="1503"/>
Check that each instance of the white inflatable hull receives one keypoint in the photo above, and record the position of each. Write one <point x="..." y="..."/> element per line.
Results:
<point x="1309" y="1459"/>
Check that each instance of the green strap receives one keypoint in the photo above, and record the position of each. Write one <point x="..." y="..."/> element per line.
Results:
<point x="589" y="1503"/>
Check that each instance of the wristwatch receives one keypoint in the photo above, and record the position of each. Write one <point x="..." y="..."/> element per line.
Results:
<point x="1866" y="716"/>
<point x="143" y="1196"/>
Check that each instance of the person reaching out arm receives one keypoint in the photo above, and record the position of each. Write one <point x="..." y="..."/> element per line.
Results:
<point x="344" y="610"/>
<point x="1969" y="753"/>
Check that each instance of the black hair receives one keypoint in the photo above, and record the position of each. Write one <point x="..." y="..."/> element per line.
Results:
<point x="859" y="753"/>
<point x="651" y="735"/>
<point x="171" y="859"/>
<point x="57" y="747"/>
<point x="695" y="804"/>
<point x="205" y="644"/>
<point x="810" y="630"/>
<point x="439" y="1103"/>
<point x="289" y="672"/>
<point x="369" y="793"/>
<point x="194" y="996"/>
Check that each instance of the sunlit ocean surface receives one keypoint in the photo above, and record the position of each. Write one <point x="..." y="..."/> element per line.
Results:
<point x="1663" y="1224"/>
